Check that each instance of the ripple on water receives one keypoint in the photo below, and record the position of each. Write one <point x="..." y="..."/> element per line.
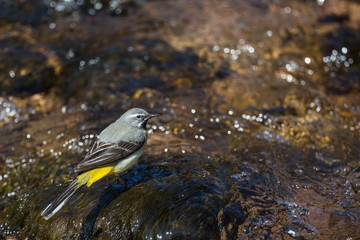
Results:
<point x="301" y="230"/>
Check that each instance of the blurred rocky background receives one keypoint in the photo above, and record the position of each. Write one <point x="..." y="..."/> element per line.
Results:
<point x="258" y="134"/>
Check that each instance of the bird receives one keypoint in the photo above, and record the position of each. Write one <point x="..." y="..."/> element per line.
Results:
<point x="117" y="149"/>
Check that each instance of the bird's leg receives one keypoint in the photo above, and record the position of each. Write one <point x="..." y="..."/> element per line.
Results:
<point x="118" y="177"/>
<point x="107" y="179"/>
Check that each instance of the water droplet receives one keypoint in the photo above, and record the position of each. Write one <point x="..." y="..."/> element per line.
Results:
<point x="251" y="49"/>
<point x="83" y="106"/>
<point x="9" y="162"/>
<point x="287" y="10"/>
<point x="216" y="48"/>
<point x="12" y="74"/>
<point x="98" y="6"/>
<point x="52" y="25"/>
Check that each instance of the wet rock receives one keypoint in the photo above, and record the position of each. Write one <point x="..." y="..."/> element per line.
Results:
<point x="29" y="66"/>
<point x="25" y="12"/>
<point x="172" y="199"/>
<point x="345" y="222"/>
<point x="229" y="220"/>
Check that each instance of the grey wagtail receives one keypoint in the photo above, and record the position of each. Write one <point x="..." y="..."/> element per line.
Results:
<point x="118" y="148"/>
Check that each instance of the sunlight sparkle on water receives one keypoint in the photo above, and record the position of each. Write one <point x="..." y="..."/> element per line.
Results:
<point x="52" y="25"/>
<point x="288" y="77"/>
<point x="337" y="59"/>
<point x="234" y="53"/>
<point x="291" y="66"/>
<point x="287" y="10"/>
<point x="320" y="2"/>
<point x="216" y="48"/>
<point x="9" y="111"/>
<point x="12" y="74"/>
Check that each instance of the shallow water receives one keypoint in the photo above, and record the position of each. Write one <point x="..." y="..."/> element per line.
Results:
<point x="258" y="134"/>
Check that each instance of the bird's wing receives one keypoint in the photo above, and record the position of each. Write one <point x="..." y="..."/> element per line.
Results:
<point x="104" y="153"/>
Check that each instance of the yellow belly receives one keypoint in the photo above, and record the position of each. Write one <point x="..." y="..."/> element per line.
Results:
<point x="94" y="175"/>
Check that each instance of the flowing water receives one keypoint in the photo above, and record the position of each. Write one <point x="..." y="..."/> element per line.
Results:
<point x="258" y="133"/>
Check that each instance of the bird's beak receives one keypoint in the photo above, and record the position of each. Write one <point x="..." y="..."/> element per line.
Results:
<point x="152" y="115"/>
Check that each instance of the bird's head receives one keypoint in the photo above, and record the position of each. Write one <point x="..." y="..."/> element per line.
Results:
<point x="136" y="117"/>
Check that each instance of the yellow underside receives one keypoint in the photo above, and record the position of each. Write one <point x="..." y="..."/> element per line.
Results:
<point x="94" y="175"/>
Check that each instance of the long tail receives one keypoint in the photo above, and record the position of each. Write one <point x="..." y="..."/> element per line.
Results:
<point x="59" y="202"/>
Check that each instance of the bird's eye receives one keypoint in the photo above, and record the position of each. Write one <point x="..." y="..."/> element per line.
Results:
<point x="138" y="116"/>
